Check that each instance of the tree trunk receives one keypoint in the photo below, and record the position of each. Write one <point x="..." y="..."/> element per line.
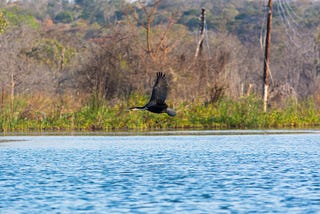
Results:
<point x="12" y="93"/>
<point x="201" y="39"/>
<point x="149" y="35"/>
<point x="267" y="58"/>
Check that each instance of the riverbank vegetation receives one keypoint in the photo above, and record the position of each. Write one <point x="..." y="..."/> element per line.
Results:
<point x="97" y="115"/>
<point x="79" y="65"/>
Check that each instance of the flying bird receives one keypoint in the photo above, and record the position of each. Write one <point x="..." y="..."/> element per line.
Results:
<point x="157" y="102"/>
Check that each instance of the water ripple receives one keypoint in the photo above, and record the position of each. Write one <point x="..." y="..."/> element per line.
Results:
<point x="161" y="174"/>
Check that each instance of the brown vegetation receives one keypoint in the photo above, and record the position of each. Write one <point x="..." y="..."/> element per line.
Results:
<point x="116" y="58"/>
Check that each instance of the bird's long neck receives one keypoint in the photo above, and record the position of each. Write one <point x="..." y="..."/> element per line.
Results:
<point x="138" y="108"/>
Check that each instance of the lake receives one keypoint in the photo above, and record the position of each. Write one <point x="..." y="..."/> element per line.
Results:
<point x="162" y="172"/>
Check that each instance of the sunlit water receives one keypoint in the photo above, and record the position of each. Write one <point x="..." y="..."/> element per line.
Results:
<point x="257" y="173"/>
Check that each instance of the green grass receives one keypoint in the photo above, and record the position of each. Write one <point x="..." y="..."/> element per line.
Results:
<point x="245" y="113"/>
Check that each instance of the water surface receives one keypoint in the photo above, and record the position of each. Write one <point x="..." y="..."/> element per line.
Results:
<point x="208" y="173"/>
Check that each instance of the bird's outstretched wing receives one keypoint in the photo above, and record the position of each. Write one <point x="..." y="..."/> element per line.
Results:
<point x="160" y="89"/>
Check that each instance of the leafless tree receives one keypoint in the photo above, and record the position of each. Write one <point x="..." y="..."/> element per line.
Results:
<point x="19" y="73"/>
<point x="106" y="67"/>
<point x="157" y="40"/>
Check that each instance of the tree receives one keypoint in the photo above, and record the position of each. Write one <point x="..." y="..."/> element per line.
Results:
<point x="157" y="36"/>
<point x="17" y="16"/>
<point x="100" y="11"/>
<point x="117" y="54"/>
<point x="14" y="66"/>
<point x="105" y="67"/>
<point x="64" y="17"/>
<point x="52" y="53"/>
<point x="3" y="22"/>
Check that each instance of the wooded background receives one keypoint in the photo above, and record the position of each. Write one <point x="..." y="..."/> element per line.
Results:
<point x="71" y="52"/>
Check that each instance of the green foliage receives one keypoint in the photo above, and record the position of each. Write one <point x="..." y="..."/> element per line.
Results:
<point x="64" y="17"/>
<point x="246" y="113"/>
<point x="52" y="52"/>
<point x="17" y="16"/>
<point x="3" y="22"/>
<point x="100" y="11"/>
<point x="311" y="16"/>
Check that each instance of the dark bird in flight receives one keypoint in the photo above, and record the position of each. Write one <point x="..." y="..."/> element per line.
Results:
<point x="157" y="102"/>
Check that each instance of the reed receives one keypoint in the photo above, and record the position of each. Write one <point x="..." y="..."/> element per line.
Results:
<point x="244" y="113"/>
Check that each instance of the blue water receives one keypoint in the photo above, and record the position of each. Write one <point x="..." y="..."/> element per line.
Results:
<point x="239" y="173"/>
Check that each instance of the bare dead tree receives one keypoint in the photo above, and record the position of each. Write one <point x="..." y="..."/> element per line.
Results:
<point x="105" y="67"/>
<point x="158" y="44"/>
<point x="266" y="71"/>
<point x="13" y="65"/>
<point x="19" y="73"/>
<point x="202" y="29"/>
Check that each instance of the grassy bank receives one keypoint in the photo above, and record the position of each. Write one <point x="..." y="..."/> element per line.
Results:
<point x="245" y="113"/>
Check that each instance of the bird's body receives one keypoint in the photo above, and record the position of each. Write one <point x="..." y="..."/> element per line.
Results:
<point x="157" y="102"/>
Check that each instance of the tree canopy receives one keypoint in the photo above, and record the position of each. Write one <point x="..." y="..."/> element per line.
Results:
<point x="111" y="49"/>
<point x="3" y="22"/>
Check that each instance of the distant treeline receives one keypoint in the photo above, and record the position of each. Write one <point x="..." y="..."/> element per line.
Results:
<point x="99" y="54"/>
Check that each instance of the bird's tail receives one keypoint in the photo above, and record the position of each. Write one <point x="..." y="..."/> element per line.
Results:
<point x="171" y="112"/>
